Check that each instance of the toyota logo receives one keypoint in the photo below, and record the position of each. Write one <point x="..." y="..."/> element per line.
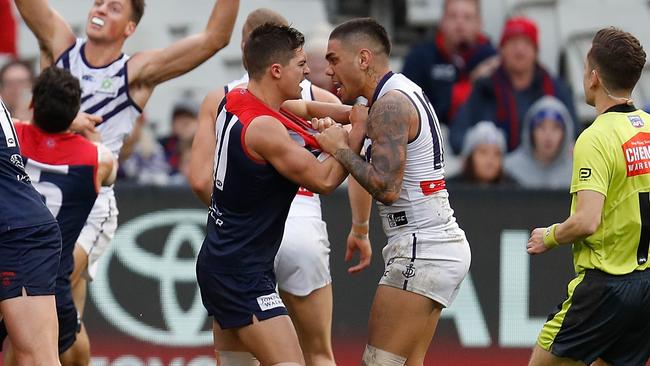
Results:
<point x="182" y="325"/>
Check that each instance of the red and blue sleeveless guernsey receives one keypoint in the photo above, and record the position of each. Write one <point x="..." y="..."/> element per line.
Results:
<point x="250" y="199"/>
<point x="20" y="205"/>
<point x="63" y="169"/>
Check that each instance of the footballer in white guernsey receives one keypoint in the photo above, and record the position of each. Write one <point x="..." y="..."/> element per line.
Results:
<point x="115" y="88"/>
<point x="427" y="255"/>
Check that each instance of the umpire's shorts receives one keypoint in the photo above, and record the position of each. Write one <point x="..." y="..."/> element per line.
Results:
<point x="605" y="316"/>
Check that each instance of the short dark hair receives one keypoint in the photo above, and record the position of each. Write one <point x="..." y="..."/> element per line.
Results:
<point x="138" y="10"/>
<point x="268" y="44"/>
<point x="56" y="99"/>
<point x="13" y="63"/>
<point x="619" y="58"/>
<point x="365" y="27"/>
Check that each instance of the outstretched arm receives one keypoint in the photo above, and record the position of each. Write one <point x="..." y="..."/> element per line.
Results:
<point x="203" y="146"/>
<point x="308" y="109"/>
<point x="54" y="35"/>
<point x="153" y="67"/>
<point x="325" y="104"/>
<point x="388" y="128"/>
<point x="582" y="223"/>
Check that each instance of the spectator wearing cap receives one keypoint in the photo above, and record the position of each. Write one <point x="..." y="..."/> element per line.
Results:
<point x="178" y="145"/>
<point x="543" y="160"/>
<point x="483" y="152"/>
<point x="505" y="96"/>
<point x="445" y="66"/>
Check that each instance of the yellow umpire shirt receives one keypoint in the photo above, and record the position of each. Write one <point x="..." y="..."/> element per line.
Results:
<point x="612" y="157"/>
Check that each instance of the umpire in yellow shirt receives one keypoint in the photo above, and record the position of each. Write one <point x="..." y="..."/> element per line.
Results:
<point x="606" y="317"/>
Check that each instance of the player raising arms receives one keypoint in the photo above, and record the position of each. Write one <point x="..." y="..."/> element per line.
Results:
<point x="427" y="255"/>
<point x="607" y="313"/>
<point x="302" y="263"/>
<point x="115" y="89"/>
<point x="30" y="245"/>
<point x="67" y="170"/>
<point x="262" y="157"/>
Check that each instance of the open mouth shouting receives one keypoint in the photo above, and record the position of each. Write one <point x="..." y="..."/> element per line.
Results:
<point x="97" y="21"/>
<point x="338" y="87"/>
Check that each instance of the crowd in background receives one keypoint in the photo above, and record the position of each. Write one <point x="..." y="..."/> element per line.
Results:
<point x="507" y="120"/>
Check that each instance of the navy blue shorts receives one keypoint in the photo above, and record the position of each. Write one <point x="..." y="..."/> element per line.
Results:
<point x="69" y="322"/>
<point x="29" y="258"/>
<point x="233" y="299"/>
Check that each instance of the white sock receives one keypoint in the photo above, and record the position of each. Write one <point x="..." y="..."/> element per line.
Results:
<point x="375" y="357"/>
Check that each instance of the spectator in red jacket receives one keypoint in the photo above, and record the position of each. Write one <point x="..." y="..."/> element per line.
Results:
<point x="7" y="30"/>
<point x="505" y="96"/>
<point x="445" y="66"/>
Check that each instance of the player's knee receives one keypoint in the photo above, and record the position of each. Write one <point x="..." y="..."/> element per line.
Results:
<point x="231" y="358"/>
<point x="376" y="357"/>
<point x="322" y="358"/>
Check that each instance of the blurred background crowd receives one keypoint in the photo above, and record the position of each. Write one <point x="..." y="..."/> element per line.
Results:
<point x="504" y="76"/>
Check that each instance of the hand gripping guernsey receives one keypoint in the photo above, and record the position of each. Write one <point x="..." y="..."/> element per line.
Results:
<point x="250" y="204"/>
<point x="607" y="313"/>
<point x="63" y="168"/>
<point x="427" y="252"/>
<point x="104" y="92"/>
<point x="302" y="262"/>
<point x="30" y="241"/>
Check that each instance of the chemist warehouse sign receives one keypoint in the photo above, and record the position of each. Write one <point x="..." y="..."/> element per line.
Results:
<point x="144" y="306"/>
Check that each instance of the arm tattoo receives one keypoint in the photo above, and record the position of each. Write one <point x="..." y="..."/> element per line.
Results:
<point x="388" y="128"/>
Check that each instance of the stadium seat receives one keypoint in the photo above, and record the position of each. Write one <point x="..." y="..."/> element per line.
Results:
<point x="576" y="32"/>
<point x="641" y="94"/>
<point x="423" y="12"/>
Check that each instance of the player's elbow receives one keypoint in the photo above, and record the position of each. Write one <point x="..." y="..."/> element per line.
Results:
<point x="221" y="43"/>
<point x="387" y="198"/>
<point x="588" y="226"/>
<point x="200" y="185"/>
<point x="591" y="228"/>
<point x="217" y="41"/>
<point x="325" y="187"/>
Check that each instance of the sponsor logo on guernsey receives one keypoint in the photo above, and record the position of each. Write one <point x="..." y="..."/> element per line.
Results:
<point x="636" y="121"/>
<point x="637" y="154"/>
<point x="108" y="87"/>
<point x="396" y="219"/>
<point x="584" y="174"/>
<point x="17" y="160"/>
<point x="271" y="301"/>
